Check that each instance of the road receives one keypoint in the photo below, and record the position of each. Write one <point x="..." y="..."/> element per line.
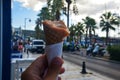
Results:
<point x="105" y="68"/>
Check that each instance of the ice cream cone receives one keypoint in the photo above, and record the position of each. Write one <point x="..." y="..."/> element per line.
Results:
<point x="55" y="31"/>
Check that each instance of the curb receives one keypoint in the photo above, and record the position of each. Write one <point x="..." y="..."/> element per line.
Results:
<point x="107" y="60"/>
<point x="113" y="61"/>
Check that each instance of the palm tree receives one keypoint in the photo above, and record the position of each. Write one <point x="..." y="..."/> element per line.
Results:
<point x="55" y="6"/>
<point x="44" y="14"/>
<point x="93" y="29"/>
<point x="79" y="29"/>
<point x="90" y="26"/>
<point x="118" y="18"/>
<point x="37" y="31"/>
<point x="39" y="34"/>
<point x="106" y="23"/>
<point x="72" y="32"/>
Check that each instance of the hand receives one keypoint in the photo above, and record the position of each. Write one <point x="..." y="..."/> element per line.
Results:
<point x="37" y="70"/>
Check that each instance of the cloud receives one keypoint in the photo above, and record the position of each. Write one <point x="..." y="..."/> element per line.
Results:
<point x="94" y="8"/>
<point x="88" y="7"/>
<point x="91" y="7"/>
<point x="36" y="5"/>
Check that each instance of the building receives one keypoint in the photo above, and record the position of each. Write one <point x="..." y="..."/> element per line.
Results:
<point x="28" y="33"/>
<point x="24" y="34"/>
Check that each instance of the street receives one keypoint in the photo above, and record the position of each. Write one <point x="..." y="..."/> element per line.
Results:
<point x="105" y="68"/>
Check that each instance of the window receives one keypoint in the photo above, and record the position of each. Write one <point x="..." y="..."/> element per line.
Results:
<point x="38" y="43"/>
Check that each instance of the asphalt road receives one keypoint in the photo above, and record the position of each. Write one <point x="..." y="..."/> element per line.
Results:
<point x="105" y="68"/>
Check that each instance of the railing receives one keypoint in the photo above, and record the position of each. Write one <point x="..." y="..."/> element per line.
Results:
<point x="18" y="66"/>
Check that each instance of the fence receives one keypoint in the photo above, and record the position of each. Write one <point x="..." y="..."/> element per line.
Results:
<point x="18" y="66"/>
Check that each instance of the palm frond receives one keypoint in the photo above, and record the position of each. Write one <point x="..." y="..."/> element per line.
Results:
<point x="103" y="29"/>
<point x="112" y="28"/>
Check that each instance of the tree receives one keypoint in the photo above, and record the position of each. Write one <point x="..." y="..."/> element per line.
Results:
<point x="79" y="30"/>
<point x="106" y="23"/>
<point x="72" y="32"/>
<point x="90" y="26"/>
<point x="38" y="30"/>
<point x="76" y="31"/>
<point x="118" y="18"/>
<point x="93" y="29"/>
<point x="55" y="6"/>
<point x="44" y="14"/>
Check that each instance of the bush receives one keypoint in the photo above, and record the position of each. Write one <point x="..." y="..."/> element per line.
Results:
<point x="65" y="47"/>
<point x="114" y="52"/>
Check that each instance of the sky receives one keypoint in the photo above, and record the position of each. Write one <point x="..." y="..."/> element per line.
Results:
<point x="29" y="9"/>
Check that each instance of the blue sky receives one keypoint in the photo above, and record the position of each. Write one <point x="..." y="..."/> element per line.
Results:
<point x="19" y="14"/>
<point x="22" y="9"/>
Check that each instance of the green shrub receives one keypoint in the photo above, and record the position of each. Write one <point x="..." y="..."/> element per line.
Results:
<point x="65" y="48"/>
<point x="114" y="52"/>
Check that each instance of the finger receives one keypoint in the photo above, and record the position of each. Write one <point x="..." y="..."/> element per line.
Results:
<point x="62" y="70"/>
<point x="54" y="69"/>
<point x="40" y="64"/>
<point x="36" y="68"/>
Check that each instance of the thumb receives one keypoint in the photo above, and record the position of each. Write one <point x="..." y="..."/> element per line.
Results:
<point x="54" y="69"/>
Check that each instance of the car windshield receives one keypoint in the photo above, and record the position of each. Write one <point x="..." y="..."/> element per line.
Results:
<point x="38" y="43"/>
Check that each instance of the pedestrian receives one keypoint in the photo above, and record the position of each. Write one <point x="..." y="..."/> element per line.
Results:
<point x="96" y="49"/>
<point x="24" y="43"/>
<point x="15" y="48"/>
<point x="89" y="50"/>
<point x="20" y="47"/>
<point x="27" y="45"/>
<point x="37" y="70"/>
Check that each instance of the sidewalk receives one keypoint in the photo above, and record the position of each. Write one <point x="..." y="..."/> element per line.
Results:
<point x="73" y="73"/>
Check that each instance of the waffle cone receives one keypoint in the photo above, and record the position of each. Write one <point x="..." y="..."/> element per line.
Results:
<point x="55" y="31"/>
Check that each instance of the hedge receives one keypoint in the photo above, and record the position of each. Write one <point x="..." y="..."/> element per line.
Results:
<point x="114" y="52"/>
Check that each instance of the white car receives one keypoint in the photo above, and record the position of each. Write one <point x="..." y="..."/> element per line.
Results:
<point x="38" y="46"/>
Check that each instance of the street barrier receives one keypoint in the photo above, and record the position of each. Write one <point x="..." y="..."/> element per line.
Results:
<point x="84" y="68"/>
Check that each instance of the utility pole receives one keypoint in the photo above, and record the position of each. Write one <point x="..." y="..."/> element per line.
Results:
<point x="25" y="25"/>
<point x="69" y="2"/>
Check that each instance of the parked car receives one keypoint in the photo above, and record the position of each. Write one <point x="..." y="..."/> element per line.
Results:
<point x="37" y="46"/>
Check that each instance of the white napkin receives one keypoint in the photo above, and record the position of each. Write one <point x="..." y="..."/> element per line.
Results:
<point x="53" y="50"/>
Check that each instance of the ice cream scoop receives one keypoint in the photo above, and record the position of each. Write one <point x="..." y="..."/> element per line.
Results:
<point x="55" y="31"/>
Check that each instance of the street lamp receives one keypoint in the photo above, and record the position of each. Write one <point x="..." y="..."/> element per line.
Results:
<point x="25" y="25"/>
<point x="69" y="2"/>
